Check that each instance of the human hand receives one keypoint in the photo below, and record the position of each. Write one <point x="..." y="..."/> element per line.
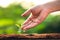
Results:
<point x="39" y="13"/>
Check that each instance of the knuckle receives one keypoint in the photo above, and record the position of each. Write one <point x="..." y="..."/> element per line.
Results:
<point x="33" y="10"/>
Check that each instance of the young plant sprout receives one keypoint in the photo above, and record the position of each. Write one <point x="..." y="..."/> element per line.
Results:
<point x="21" y="31"/>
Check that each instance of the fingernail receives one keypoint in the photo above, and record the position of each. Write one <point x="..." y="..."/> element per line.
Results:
<point x="21" y="15"/>
<point x="24" y="28"/>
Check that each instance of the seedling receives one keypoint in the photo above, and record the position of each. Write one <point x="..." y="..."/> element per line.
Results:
<point x="23" y="31"/>
<point x="20" y="31"/>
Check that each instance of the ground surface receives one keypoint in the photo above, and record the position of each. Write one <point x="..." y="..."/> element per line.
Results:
<point x="18" y="36"/>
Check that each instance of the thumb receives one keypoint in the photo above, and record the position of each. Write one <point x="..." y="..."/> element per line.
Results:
<point x="26" y="13"/>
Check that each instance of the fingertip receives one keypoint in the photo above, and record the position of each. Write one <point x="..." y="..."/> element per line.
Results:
<point x="23" y="15"/>
<point x="24" y="29"/>
<point x="21" y="28"/>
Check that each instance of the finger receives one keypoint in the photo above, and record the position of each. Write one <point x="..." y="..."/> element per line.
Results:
<point x="30" y="26"/>
<point x="26" y="25"/>
<point x="33" y="24"/>
<point x="26" y="13"/>
<point x="27" y="22"/>
<point x="28" y="19"/>
<point x="34" y="20"/>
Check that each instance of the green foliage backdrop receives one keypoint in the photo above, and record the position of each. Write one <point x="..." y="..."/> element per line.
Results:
<point x="11" y="16"/>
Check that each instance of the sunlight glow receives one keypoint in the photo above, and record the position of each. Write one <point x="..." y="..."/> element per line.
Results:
<point x="37" y="2"/>
<point x="5" y="3"/>
<point x="26" y="3"/>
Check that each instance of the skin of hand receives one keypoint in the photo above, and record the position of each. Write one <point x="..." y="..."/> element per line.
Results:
<point x="39" y="13"/>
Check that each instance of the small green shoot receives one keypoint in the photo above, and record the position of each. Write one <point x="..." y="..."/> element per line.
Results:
<point x="20" y="31"/>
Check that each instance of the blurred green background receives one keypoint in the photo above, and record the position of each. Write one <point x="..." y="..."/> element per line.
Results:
<point x="11" y="15"/>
